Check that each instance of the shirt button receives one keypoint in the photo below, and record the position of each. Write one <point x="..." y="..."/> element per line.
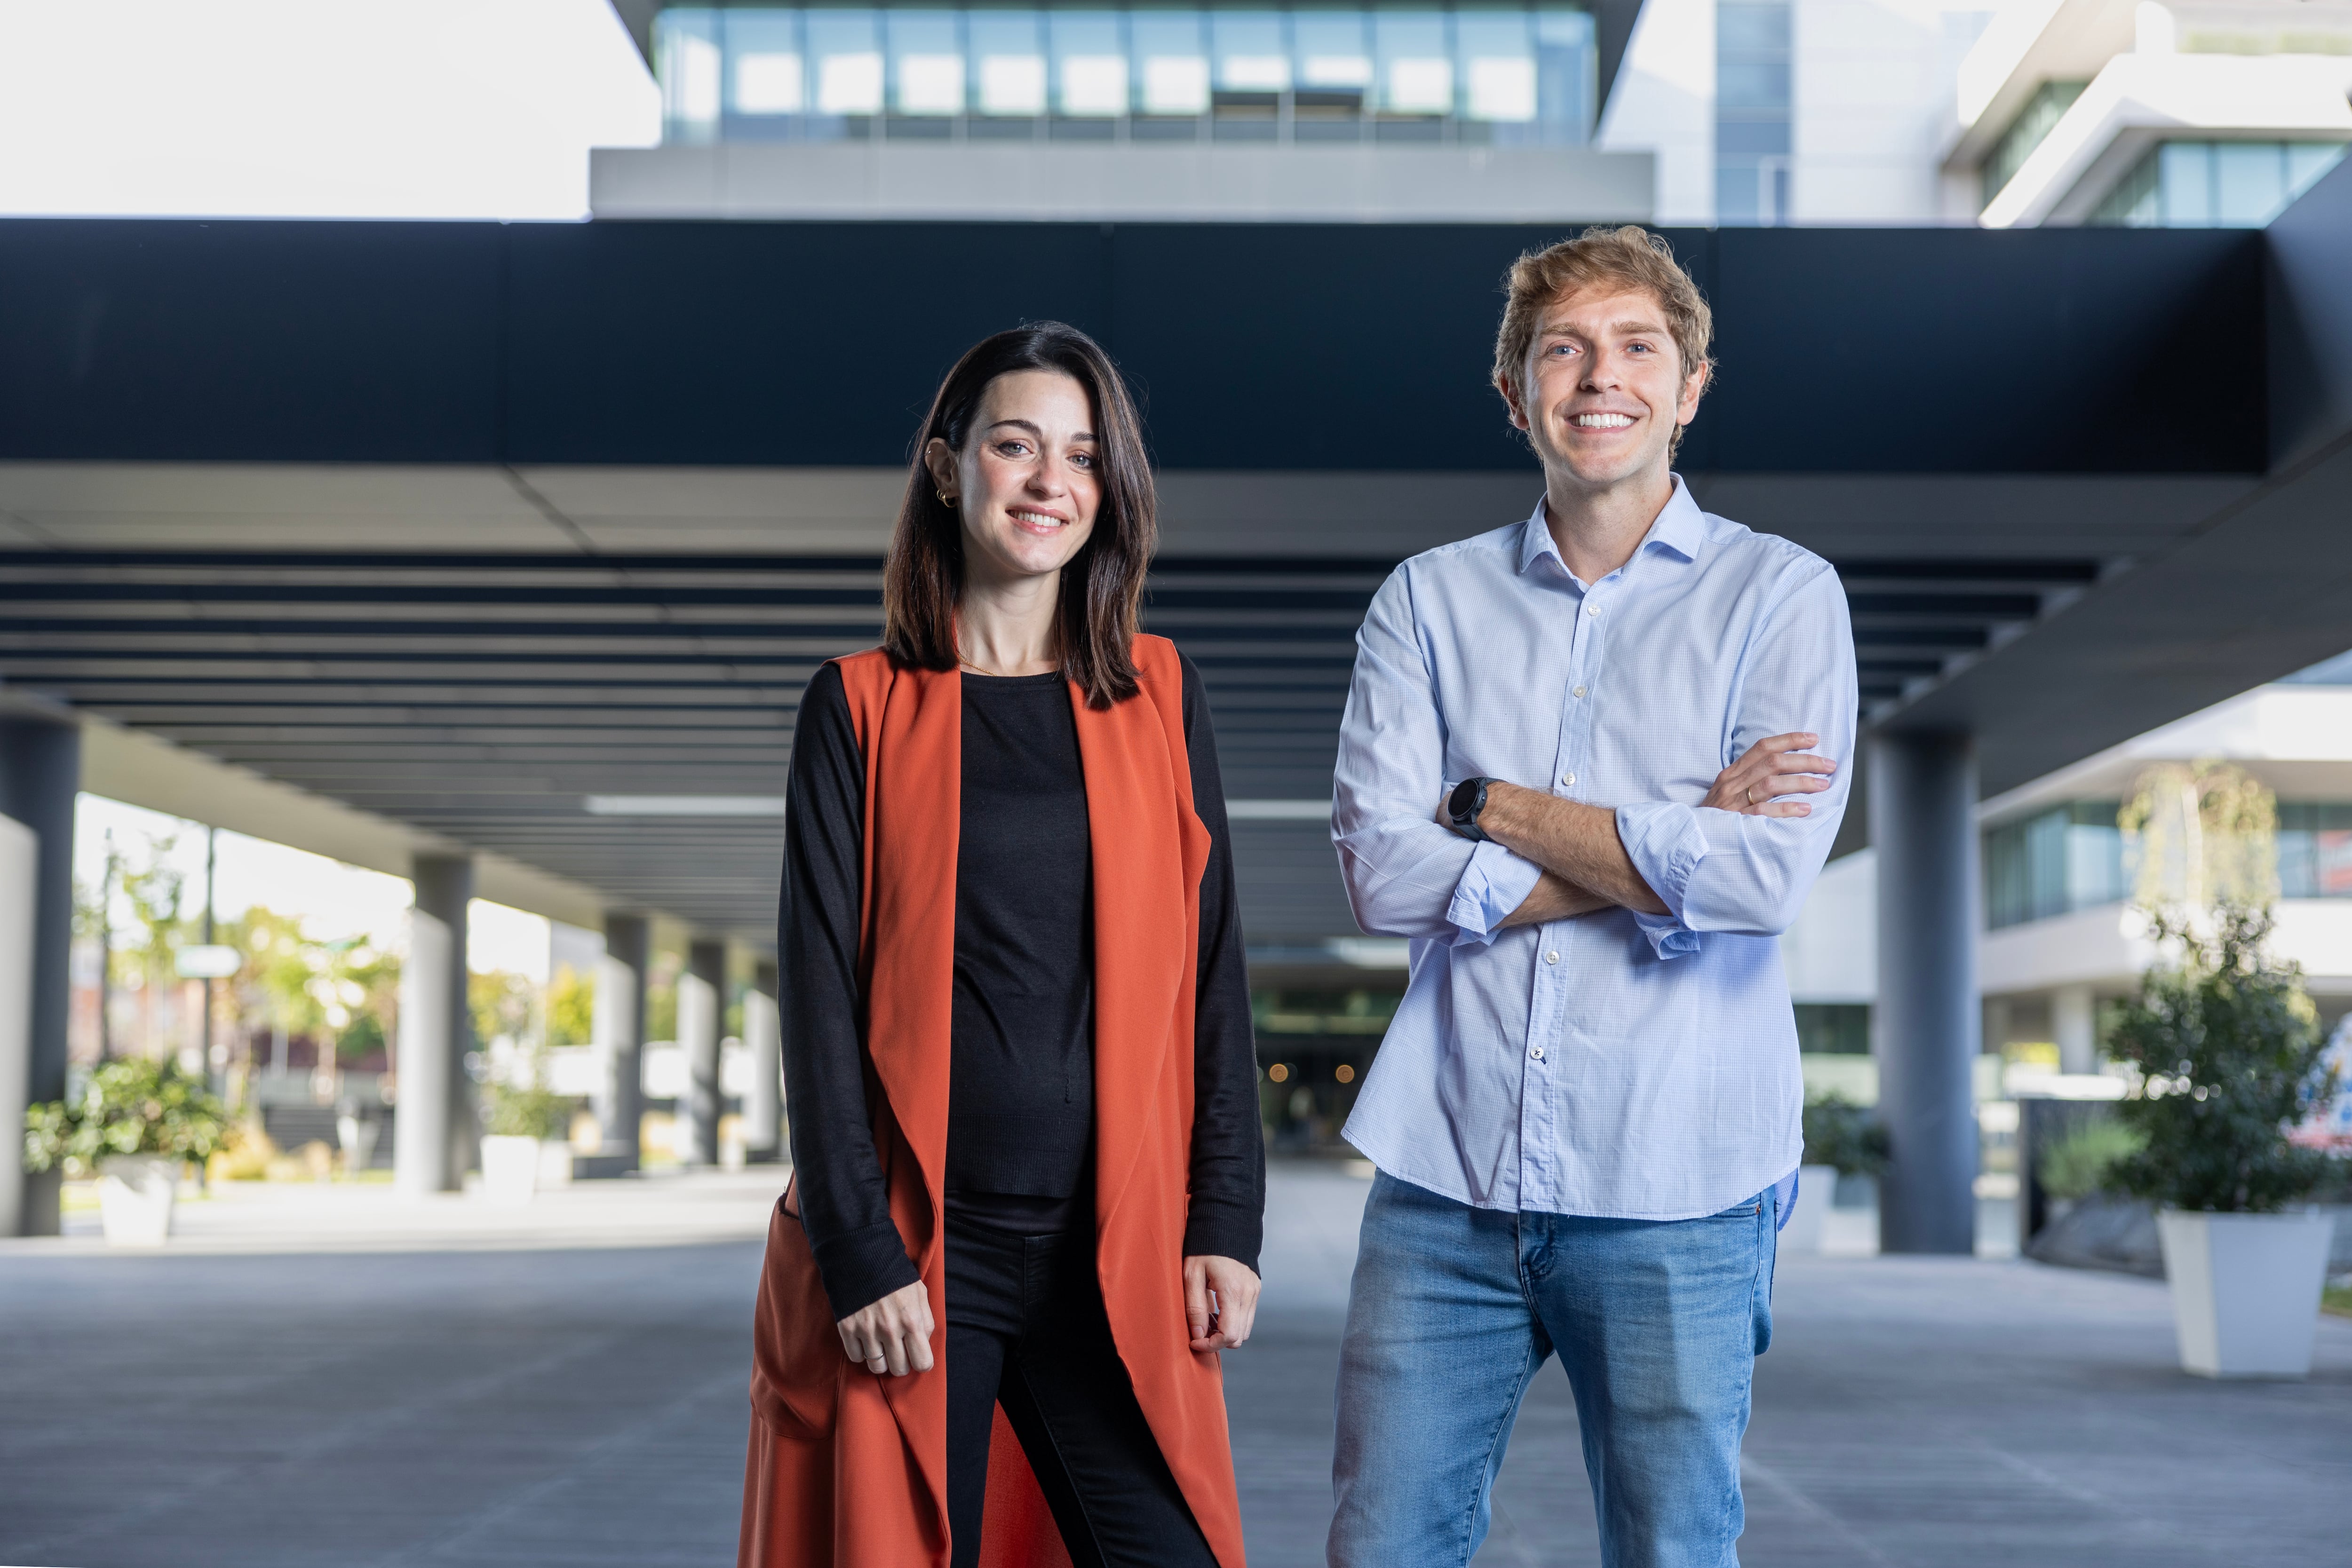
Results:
<point x="1580" y="691"/>
<point x="1592" y="609"/>
<point x="1535" y="1051"/>
<point x="1552" y="957"/>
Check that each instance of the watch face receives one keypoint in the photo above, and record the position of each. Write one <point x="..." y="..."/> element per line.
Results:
<point x="1464" y="800"/>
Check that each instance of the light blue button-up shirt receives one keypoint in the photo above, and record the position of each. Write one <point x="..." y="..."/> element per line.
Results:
<point x="1616" y="1065"/>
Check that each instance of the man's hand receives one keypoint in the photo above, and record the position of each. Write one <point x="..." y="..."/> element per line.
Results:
<point x="893" y="1334"/>
<point x="1220" y="1301"/>
<point x="1776" y="766"/>
<point x="1586" y="867"/>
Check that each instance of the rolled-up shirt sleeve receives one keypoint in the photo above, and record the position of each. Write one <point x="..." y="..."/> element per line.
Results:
<point x="1406" y="873"/>
<point x="1746" y="875"/>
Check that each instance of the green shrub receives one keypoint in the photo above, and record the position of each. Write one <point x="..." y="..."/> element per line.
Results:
<point x="132" y="1106"/>
<point x="2230" y="1058"/>
<point x="535" y="1112"/>
<point x="2082" y="1162"/>
<point x="1842" y="1133"/>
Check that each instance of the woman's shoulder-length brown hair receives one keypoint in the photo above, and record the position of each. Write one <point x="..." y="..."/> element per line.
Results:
<point x="1102" y="585"/>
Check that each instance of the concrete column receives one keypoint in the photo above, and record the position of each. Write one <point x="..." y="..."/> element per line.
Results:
<point x="763" y="1048"/>
<point x="40" y="772"/>
<point x="700" y="991"/>
<point x="1925" y="1029"/>
<point x="2074" y="1020"/>
<point x="619" y="1031"/>
<point x="434" y="1127"/>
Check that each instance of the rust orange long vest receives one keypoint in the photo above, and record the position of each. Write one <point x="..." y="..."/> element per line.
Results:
<point x="849" y="1470"/>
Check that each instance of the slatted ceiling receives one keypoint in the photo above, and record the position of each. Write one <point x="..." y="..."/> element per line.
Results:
<point x="482" y="697"/>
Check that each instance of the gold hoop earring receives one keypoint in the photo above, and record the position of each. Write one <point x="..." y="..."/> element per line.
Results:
<point x="945" y="500"/>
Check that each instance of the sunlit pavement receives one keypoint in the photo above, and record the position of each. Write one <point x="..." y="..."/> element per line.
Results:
<point x="334" y="1377"/>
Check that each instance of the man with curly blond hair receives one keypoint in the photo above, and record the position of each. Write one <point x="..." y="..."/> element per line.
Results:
<point x="1591" y="766"/>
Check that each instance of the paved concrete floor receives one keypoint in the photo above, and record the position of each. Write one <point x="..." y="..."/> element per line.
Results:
<point x="532" y="1400"/>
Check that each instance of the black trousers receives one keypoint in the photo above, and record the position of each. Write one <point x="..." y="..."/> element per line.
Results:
<point x="1026" y="1329"/>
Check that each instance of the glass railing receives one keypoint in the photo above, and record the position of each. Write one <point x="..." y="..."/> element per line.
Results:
<point x="1487" y="74"/>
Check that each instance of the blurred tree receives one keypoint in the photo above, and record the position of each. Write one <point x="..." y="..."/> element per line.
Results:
<point x="344" y="993"/>
<point x="90" y="923"/>
<point x="505" y="1005"/>
<point x="152" y="889"/>
<point x="661" y="994"/>
<point x="571" y="1008"/>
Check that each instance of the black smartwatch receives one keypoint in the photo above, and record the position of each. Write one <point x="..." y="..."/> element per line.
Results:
<point x="1462" y="807"/>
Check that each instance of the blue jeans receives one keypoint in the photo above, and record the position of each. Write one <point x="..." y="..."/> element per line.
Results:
<point x="1454" y="1310"/>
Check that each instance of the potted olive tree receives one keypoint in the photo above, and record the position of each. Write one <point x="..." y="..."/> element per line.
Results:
<point x="516" y="1123"/>
<point x="133" y="1123"/>
<point x="2229" y="1059"/>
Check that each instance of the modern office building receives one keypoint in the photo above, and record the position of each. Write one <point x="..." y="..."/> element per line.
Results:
<point x="2209" y="113"/>
<point x="1726" y="112"/>
<point x="1434" y="111"/>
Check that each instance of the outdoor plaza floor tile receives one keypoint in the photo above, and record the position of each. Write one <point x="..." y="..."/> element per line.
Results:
<point x="367" y="1385"/>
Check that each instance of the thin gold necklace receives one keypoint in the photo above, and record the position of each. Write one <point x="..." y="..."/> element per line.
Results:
<point x="985" y="670"/>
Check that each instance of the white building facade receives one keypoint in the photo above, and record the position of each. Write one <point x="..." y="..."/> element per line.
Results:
<point x="2059" y="935"/>
<point x="2210" y="112"/>
<point x="2206" y="113"/>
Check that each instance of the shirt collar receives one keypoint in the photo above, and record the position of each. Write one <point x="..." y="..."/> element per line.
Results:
<point x="1680" y="527"/>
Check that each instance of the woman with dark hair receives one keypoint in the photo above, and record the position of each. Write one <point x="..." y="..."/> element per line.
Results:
<point x="1027" y="1174"/>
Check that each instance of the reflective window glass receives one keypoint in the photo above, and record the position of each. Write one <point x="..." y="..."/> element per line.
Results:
<point x="1334" y="51"/>
<point x="1750" y="30"/>
<point x="1089" y="63"/>
<point x="1498" y="65"/>
<point x="1172" y="70"/>
<point x="1500" y="73"/>
<point x="2185" y="184"/>
<point x="766" y="72"/>
<point x="1566" y="73"/>
<point x="1415" y="62"/>
<point x="1751" y="84"/>
<point x="1252" y="54"/>
<point x="2249" y="182"/>
<point x="1009" y="46"/>
<point x="847" y="49"/>
<point x="692" y="61"/>
<point x="927" y="74"/>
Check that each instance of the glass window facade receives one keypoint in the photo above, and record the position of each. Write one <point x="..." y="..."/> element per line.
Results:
<point x="2032" y="126"/>
<point x="2314" y="849"/>
<point x="1833" y="1029"/>
<point x="1490" y="74"/>
<point x="2215" y="184"/>
<point x="2072" y="857"/>
<point x="2060" y="861"/>
<point x="1752" y="98"/>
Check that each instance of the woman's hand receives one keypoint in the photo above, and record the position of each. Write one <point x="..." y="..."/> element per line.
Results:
<point x="1220" y="1301"/>
<point x="1775" y="765"/>
<point x="893" y="1334"/>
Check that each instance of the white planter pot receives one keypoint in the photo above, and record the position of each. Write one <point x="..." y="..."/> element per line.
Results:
<point x="1816" y="1186"/>
<point x="509" y="1169"/>
<point x="135" y="1193"/>
<point x="357" y="1135"/>
<point x="2245" y="1289"/>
